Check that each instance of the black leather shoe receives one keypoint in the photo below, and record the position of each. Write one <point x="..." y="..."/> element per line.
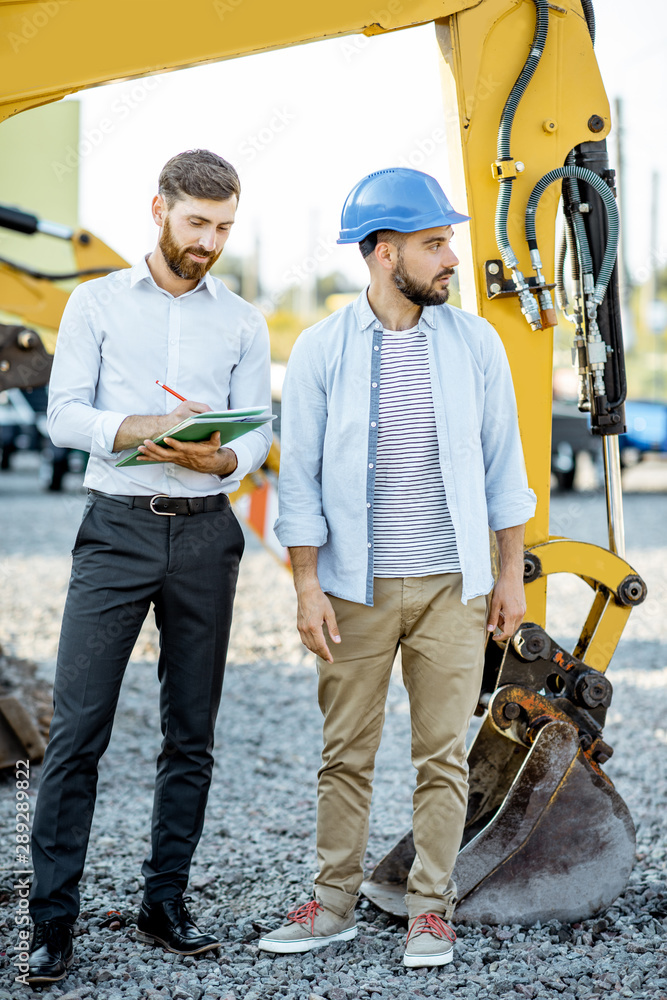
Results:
<point x="169" y="924"/>
<point x="51" y="952"/>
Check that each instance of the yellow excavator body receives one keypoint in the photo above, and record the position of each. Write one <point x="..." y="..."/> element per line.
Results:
<point x="545" y="825"/>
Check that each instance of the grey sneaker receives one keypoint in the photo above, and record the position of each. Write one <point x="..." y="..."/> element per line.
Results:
<point x="309" y="926"/>
<point x="430" y="941"/>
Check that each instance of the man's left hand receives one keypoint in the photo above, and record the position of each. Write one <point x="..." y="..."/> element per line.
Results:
<point x="200" y="456"/>
<point x="508" y="606"/>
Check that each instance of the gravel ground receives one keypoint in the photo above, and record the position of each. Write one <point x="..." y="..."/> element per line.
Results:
<point x="257" y="858"/>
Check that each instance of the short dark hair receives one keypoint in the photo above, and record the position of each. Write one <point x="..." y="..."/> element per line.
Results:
<point x="369" y="243"/>
<point x="198" y="173"/>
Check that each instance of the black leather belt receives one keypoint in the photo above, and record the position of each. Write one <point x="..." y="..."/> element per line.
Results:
<point x="168" y="506"/>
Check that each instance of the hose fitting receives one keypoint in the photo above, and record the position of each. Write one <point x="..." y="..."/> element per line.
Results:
<point x="505" y="169"/>
<point x="529" y="306"/>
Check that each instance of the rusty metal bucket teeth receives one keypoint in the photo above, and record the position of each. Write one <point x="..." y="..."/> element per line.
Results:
<point x="560" y="846"/>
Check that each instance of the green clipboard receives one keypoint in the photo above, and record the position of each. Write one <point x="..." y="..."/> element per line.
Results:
<point x="230" y="423"/>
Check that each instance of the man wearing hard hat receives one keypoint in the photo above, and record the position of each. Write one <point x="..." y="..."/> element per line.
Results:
<point x="400" y="448"/>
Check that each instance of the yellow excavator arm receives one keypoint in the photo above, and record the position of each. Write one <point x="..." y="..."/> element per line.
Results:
<point x="526" y="118"/>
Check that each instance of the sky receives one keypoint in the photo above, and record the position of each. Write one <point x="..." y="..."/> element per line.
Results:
<point x="303" y="125"/>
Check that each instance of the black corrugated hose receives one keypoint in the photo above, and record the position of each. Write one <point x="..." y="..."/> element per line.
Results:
<point x="589" y="14"/>
<point x="577" y="222"/>
<point x="524" y="78"/>
<point x="69" y="276"/>
<point x="605" y="192"/>
<point x="505" y="128"/>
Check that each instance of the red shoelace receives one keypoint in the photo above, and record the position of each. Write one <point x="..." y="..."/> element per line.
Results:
<point x="304" y="913"/>
<point x="432" y="923"/>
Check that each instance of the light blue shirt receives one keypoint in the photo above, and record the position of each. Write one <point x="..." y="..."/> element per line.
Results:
<point x="122" y="332"/>
<point x="329" y="439"/>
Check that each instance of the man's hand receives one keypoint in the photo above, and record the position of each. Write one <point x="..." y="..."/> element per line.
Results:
<point x="314" y="607"/>
<point x="200" y="456"/>
<point x="135" y="429"/>
<point x="184" y="410"/>
<point x="314" y="610"/>
<point x="508" y="604"/>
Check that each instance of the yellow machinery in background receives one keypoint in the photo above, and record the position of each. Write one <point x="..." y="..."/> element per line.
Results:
<point x="547" y="834"/>
<point x="37" y="299"/>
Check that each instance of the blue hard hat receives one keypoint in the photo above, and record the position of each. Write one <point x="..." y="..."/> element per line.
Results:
<point x="399" y="198"/>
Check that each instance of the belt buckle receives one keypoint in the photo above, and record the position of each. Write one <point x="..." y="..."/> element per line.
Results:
<point x="161" y="513"/>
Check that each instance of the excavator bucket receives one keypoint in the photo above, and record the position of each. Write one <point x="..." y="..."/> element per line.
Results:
<point x="539" y="857"/>
<point x="547" y="835"/>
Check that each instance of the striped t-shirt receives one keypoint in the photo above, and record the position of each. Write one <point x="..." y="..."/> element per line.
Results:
<point x="413" y="533"/>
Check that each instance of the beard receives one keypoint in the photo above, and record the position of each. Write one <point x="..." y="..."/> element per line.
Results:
<point x="176" y="256"/>
<point x="420" y="293"/>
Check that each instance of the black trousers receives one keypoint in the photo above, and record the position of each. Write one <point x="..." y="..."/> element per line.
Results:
<point x="124" y="559"/>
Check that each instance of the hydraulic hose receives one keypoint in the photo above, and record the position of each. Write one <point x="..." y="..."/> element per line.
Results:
<point x="505" y="130"/>
<point x="524" y="78"/>
<point x="589" y="14"/>
<point x="568" y="246"/>
<point x="607" y="196"/>
<point x="561" y="291"/>
<point x="584" y="252"/>
<point x="42" y="276"/>
<point x="577" y="221"/>
<point x="572" y="248"/>
<point x="502" y="238"/>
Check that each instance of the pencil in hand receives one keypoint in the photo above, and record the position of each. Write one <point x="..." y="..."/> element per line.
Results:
<point x="176" y="394"/>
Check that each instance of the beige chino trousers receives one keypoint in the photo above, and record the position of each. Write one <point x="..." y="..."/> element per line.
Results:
<point x="442" y="651"/>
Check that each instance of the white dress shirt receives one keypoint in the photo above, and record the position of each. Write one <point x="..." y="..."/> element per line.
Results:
<point x="122" y="332"/>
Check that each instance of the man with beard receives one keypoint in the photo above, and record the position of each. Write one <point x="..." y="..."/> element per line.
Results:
<point x="160" y="533"/>
<point x="400" y="448"/>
